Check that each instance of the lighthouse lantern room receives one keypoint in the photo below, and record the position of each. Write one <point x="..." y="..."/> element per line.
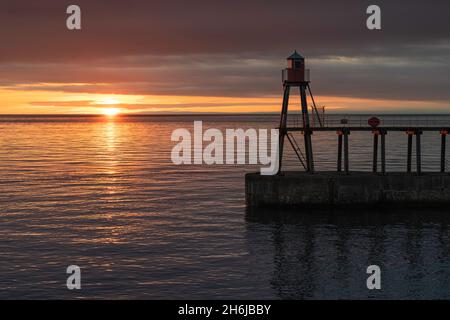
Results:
<point x="295" y="72"/>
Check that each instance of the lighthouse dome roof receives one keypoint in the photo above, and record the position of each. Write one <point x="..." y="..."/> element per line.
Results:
<point x="295" y="56"/>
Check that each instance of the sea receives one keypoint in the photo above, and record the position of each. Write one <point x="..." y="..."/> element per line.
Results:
<point x="103" y="193"/>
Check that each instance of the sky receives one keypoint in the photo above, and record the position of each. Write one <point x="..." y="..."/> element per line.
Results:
<point x="150" y="56"/>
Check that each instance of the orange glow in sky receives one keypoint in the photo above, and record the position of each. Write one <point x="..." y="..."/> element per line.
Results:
<point x="18" y="101"/>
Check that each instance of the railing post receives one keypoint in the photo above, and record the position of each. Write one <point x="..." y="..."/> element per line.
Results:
<point x="443" y="142"/>
<point x="375" y="150"/>
<point x="339" y="159"/>
<point x="418" y="152"/>
<point x="383" y="151"/>
<point x="346" y="157"/>
<point x="409" y="156"/>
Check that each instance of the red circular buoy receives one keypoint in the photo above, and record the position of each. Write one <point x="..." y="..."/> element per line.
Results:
<point x="374" y="122"/>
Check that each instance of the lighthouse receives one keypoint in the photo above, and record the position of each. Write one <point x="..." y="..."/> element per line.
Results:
<point x="296" y="76"/>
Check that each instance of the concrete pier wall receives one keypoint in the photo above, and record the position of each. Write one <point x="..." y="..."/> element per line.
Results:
<point x="293" y="189"/>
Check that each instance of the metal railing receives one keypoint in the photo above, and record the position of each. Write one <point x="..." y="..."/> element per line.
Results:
<point x="333" y="120"/>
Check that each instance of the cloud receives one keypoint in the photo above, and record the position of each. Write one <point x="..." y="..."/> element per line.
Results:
<point x="75" y="103"/>
<point x="232" y="75"/>
<point x="111" y="28"/>
<point x="225" y="48"/>
<point x="147" y="106"/>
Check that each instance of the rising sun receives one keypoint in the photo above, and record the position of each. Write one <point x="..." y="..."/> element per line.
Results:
<point x="111" y="112"/>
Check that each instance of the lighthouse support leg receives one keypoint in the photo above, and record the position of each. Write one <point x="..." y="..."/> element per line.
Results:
<point x="282" y="128"/>
<point x="307" y="131"/>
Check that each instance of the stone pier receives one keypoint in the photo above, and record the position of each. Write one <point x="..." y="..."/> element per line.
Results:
<point x="322" y="189"/>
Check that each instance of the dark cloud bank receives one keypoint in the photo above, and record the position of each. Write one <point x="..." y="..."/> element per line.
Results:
<point x="231" y="48"/>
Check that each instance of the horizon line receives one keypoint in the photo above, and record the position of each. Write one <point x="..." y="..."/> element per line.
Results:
<point x="210" y="114"/>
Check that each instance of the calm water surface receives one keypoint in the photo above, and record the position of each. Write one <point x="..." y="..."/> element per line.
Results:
<point x="104" y="195"/>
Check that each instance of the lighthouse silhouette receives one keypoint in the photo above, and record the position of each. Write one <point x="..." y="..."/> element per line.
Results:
<point x="296" y="75"/>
